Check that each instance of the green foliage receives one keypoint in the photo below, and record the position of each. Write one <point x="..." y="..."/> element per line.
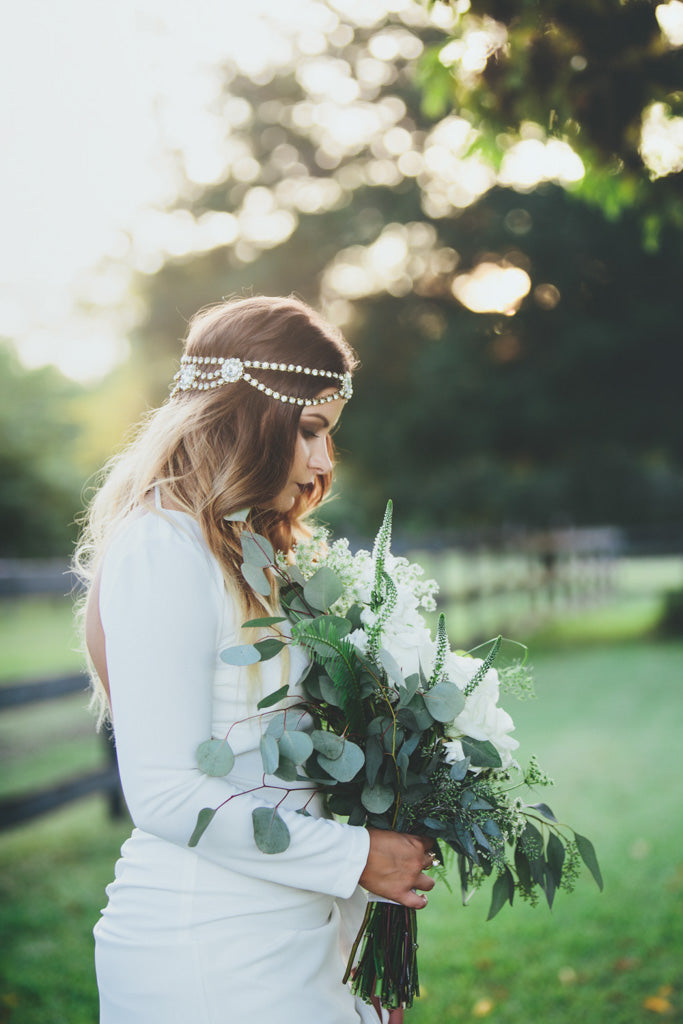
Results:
<point x="215" y="757"/>
<point x="671" y="616"/>
<point x="270" y="832"/>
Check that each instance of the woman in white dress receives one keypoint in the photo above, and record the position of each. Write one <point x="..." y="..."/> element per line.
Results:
<point x="222" y="933"/>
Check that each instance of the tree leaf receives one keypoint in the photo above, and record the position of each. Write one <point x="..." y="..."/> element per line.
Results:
<point x="523" y="868"/>
<point x="270" y="754"/>
<point x="286" y="770"/>
<point x="204" y="819"/>
<point x="377" y="799"/>
<point x="390" y="666"/>
<point x="444" y="701"/>
<point x="257" y="550"/>
<point x="238" y="517"/>
<point x="296" y="746"/>
<point x="499" y="896"/>
<point x="215" y="757"/>
<point x="267" y="620"/>
<point x="327" y="743"/>
<point x="544" y="810"/>
<point x="276" y="726"/>
<point x="256" y="579"/>
<point x="270" y="832"/>
<point x="555" y="857"/>
<point x="243" y="654"/>
<point x="482" y="753"/>
<point x="323" y="589"/>
<point x="273" y="698"/>
<point x="344" y="767"/>
<point x="269" y="647"/>
<point x="459" y="770"/>
<point x="374" y="755"/>
<point x="330" y="693"/>
<point x="589" y="858"/>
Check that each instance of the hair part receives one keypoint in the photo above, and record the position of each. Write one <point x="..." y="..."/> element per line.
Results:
<point x="213" y="452"/>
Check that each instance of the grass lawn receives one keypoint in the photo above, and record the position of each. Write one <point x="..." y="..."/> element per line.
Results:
<point x="606" y="725"/>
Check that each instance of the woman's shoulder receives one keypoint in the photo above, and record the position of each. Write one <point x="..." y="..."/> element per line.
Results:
<point x="162" y="537"/>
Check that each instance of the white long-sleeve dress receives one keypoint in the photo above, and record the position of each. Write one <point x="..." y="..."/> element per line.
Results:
<point x="221" y="933"/>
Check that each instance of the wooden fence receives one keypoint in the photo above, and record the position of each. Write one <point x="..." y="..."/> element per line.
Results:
<point x="490" y="582"/>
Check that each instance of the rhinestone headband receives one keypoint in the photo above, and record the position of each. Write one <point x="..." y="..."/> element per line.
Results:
<point x="200" y="373"/>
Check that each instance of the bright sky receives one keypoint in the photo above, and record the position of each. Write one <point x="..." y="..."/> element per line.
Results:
<point x="92" y="97"/>
<point x="95" y="96"/>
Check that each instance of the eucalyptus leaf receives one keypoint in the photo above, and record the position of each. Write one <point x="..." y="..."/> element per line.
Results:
<point x="270" y="832"/>
<point x="444" y="701"/>
<point x="295" y="574"/>
<point x="215" y="757"/>
<point x="482" y="753"/>
<point x="347" y="765"/>
<point x="544" y="810"/>
<point x="286" y="770"/>
<point x="273" y="698"/>
<point x="242" y="654"/>
<point x="390" y="666"/>
<point x="420" y="714"/>
<point x="267" y="620"/>
<point x="459" y="770"/>
<point x="238" y="517"/>
<point x="374" y="755"/>
<point x="257" y="550"/>
<point x="276" y="726"/>
<point x="555" y="857"/>
<point x="523" y="868"/>
<point x="270" y="754"/>
<point x="589" y="858"/>
<point x="327" y="743"/>
<point x="296" y="746"/>
<point x="256" y="579"/>
<point x="323" y="588"/>
<point x="409" y="689"/>
<point x="269" y="647"/>
<point x="330" y="693"/>
<point x="502" y="893"/>
<point x="377" y="799"/>
<point x="204" y="819"/>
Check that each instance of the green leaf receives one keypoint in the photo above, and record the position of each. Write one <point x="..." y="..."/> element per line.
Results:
<point x="273" y="698"/>
<point x="243" y="654"/>
<point x="408" y="690"/>
<point x="330" y="693"/>
<point x="344" y="767"/>
<point x="374" y="755"/>
<point x="267" y="620"/>
<point x="215" y="757"/>
<point x="418" y="709"/>
<point x="589" y="858"/>
<point x="270" y="832"/>
<point x="444" y="701"/>
<point x="256" y="579"/>
<point x="555" y="857"/>
<point x="327" y="743"/>
<point x="499" y="896"/>
<point x="276" y="726"/>
<point x="377" y="799"/>
<point x="323" y="589"/>
<point x="286" y="770"/>
<point x="459" y="770"/>
<point x="390" y="666"/>
<point x="238" y="517"/>
<point x="269" y="647"/>
<point x="544" y="810"/>
<point x="257" y="550"/>
<point x="523" y="868"/>
<point x="270" y="754"/>
<point x="482" y="753"/>
<point x="204" y="819"/>
<point x="296" y="746"/>
<point x="295" y="575"/>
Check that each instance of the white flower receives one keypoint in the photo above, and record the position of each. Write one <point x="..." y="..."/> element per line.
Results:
<point x="481" y="718"/>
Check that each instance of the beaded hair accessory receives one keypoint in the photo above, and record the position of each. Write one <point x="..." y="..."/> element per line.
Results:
<point x="200" y="373"/>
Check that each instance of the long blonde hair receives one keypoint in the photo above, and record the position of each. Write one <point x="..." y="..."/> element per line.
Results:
<point x="217" y="451"/>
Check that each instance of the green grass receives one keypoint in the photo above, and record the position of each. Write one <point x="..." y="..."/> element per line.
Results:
<point x="606" y="725"/>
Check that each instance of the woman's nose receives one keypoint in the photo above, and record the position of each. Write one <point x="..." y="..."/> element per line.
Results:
<point x="320" y="460"/>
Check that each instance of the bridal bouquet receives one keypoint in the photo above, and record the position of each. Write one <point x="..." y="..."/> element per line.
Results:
<point x="407" y="735"/>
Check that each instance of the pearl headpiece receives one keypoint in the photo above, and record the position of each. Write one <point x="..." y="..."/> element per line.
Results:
<point x="200" y="373"/>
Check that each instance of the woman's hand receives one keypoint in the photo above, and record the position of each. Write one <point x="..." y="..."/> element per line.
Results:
<point x="395" y="866"/>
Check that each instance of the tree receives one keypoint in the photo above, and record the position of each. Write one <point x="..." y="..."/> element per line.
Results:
<point x="342" y="187"/>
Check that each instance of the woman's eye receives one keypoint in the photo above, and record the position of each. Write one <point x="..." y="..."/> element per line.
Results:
<point x="308" y="434"/>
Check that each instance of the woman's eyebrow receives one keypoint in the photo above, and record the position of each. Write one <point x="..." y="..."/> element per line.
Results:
<point x="318" y="416"/>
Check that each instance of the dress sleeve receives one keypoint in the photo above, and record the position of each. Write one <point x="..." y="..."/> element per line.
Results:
<point x="161" y="604"/>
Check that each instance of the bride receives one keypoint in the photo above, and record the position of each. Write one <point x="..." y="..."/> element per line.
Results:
<point x="222" y="933"/>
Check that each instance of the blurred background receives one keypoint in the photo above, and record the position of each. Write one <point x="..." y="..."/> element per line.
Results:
<point x="486" y="197"/>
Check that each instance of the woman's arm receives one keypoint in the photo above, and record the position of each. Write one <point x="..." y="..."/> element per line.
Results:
<point x="161" y="604"/>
